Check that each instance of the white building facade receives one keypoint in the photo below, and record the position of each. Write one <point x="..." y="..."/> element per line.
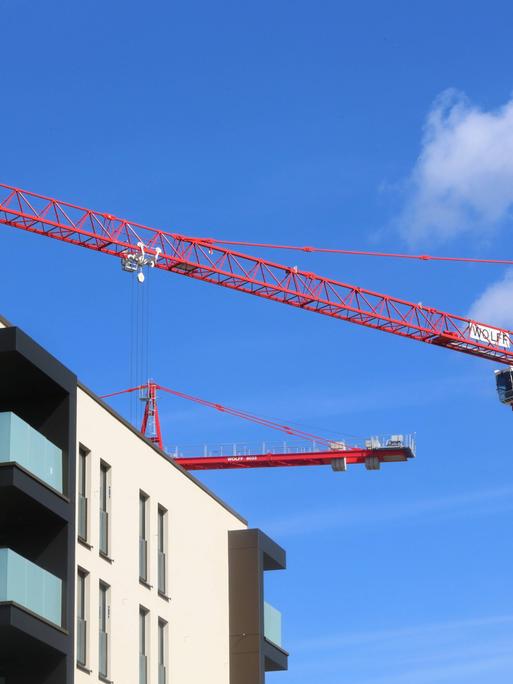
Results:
<point x="145" y="576"/>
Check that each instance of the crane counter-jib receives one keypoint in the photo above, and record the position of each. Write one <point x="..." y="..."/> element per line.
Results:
<point x="370" y="458"/>
<point x="202" y="259"/>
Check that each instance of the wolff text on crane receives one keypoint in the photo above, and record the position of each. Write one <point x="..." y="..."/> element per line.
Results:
<point x="483" y="333"/>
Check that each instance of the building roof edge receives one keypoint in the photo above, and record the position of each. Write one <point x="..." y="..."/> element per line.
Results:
<point x="160" y="452"/>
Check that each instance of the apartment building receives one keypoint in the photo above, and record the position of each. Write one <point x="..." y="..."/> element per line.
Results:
<point x="116" y="565"/>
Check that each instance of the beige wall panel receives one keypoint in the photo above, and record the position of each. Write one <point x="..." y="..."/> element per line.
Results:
<point x="198" y="611"/>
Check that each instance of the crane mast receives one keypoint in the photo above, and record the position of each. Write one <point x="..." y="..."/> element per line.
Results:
<point x="200" y="258"/>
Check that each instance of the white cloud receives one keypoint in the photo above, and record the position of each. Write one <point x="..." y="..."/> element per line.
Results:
<point x="495" y="305"/>
<point x="462" y="181"/>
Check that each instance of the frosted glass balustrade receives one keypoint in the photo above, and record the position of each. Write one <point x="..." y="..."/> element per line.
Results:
<point x="272" y="624"/>
<point x="20" y="443"/>
<point x="25" y="583"/>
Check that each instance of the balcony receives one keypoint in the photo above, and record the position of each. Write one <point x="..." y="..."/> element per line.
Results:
<point x="30" y="586"/>
<point x="20" y="443"/>
<point x="272" y="624"/>
<point x="255" y="626"/>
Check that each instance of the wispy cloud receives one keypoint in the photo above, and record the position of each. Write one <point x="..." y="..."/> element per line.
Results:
<point x="458" y="650"/>
<point x="487" y="502"/>
<point x="437" y="630"/>
<point x="462" y="181"/>
<point x="495" y="304"/>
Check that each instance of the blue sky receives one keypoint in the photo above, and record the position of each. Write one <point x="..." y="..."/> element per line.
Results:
<point x="368" y="126"/>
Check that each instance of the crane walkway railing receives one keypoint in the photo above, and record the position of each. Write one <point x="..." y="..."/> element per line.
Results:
<point x="230" y="449"/>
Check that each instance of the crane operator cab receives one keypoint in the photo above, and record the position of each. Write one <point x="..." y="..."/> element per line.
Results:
<point x="504" y="382"/>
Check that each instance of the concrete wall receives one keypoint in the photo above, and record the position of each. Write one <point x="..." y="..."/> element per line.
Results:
<point x="197" y="611"/>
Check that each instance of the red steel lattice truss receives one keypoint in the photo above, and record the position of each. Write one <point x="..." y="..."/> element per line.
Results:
<point x="202" y="259"/>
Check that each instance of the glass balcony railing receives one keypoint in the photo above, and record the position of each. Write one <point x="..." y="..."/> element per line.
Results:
<point x="272" y="624"/>
<point x="162" y="572"/>
<point x="143" y="669"/>
<point x="103" y="656"/>
<point x="104" y="532"/>
<point x="25" y="583"/>
<point x="143" y="559"/>
<point x="82" y="517"/>
<point x="81" y="642"/>
<point x="20" y="443"/>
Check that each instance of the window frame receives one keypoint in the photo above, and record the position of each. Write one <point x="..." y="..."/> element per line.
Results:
<point x="144" y="642"/>
<point x="162" y="646"/>
<point x="162" y="548"/>
<point x="83" y="489"/>
<point x="82" y="609"/>
<point x="144" y="535"/>
<point x="105" y="508"/>
<point x="104" y="621"/>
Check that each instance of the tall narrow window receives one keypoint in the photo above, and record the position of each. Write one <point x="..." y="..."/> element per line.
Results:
<point x="103" y="625"/>
<point x="104" y="508"/>
<point x="162" y="648"/>
<point x="162" y="550"/>
<point x="143" y="645"/>
<point x="82" y="493"/>
<point x="143" y="536"/>
<point x="82" y="617"/>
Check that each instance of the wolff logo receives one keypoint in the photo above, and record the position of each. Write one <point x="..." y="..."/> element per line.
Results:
<point x="487" y="335"/>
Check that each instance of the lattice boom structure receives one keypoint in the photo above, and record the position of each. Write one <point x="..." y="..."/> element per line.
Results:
<point x="202" y="259"/>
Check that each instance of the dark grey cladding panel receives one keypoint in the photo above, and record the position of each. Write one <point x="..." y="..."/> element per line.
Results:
<point x="20" y="487"/>
<point x="275" y="658"/>
<point x="33" y="652"/>
<point x="33" y="519"/>
<point x="36" y="521"/>
<point x="19" y="625"/>
<point x="14" y="339"/>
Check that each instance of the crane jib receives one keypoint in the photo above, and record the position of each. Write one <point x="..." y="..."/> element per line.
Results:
<point x="201" y="259"/>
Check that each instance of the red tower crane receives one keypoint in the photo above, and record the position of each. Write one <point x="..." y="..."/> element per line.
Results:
<point x="203" y="259"/>
<point x="394" y="449"/>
